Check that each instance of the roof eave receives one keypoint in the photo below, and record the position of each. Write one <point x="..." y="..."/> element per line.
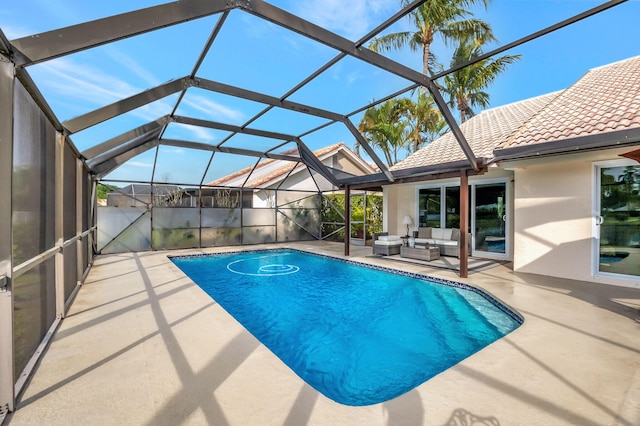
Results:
<point x="422" y="173"/>
<point x="568" y="146"/>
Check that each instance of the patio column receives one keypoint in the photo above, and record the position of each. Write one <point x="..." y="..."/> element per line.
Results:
<point x="7" y="392"/>
<point x="464" y="223"/>
<point x="79" y="200"/>
<point x="59" y="224"/>
<point x="347" y="219"/>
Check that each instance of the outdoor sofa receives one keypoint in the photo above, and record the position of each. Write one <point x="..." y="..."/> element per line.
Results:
<point x="447" y="239"/>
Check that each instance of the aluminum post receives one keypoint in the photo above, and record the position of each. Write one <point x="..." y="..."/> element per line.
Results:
<point x="7" y="379"/>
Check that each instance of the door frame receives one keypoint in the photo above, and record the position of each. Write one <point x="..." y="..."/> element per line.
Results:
<point x="596" y="218"/>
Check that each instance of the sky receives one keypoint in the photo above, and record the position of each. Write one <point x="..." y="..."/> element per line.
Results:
<point x="260" y="56"/>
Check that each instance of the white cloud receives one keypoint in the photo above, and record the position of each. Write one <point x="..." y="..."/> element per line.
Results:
<point x="84" y="87"/>
<point x="130" y="64"/>
<point x="138" y="164"/>
<point x="200" y="134"/>
<point x="214" y="110"/>
<point x="73" y="79"/>
<point x="176" y="151"/>
<point x="351" y="19"/>
<point x="13" y="32"/>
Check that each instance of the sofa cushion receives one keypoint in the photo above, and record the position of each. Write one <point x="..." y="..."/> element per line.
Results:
<point x="446" y="233"/>
<point x="445" y="243"/>
<point x="387" y="243"/>
<point x="389" y="238"/>
<point x="437" y="233"/>
<point x="455" y="234"/>
<point x="424" y="232"/>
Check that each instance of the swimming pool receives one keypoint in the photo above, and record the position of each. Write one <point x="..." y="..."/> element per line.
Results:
<point x="360" y="335"/>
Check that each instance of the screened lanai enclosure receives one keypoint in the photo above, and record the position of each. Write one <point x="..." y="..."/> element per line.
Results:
<point x="89" y="164"/>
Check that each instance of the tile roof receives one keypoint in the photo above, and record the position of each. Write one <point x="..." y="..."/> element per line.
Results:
<point x="605" y="99"/>
<point x="221" y="181"/>
<point x="259" y="178"/>
<point x="484" y="132"/>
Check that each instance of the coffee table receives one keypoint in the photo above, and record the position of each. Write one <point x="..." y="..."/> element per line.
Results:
<point x="420" y="253"/>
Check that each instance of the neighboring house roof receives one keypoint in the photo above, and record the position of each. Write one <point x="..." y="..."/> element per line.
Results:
<point x="605" y="99"/>
<point x="271" y="171"/>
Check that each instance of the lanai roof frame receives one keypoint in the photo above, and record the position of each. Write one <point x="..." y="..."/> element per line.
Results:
<point x="34" y="49"/>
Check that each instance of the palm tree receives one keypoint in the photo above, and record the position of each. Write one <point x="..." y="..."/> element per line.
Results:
<point x="425" y="122"/>
<point x="465" y="87"/>
<point x="384" y="127"/>
<point x="450" y="19"/>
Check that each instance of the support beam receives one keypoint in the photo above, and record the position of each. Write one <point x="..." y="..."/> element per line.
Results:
<point x="125" y="137"/>
<point x="232" y="128"/>
<point x="123" y="148"/>
<point x="314" y="163"/>
<point x="59" y="225"/>
<point x="265" y="99"/>
<point x="64" y="41"/>
<point x="80" y="193"/>
<point x="453" y="125"/>
<point x="347" y="219"/>
<point x="229" y="150"/>
<point x="363" y="142"/>
<point x="5" y="45"/>
<point x="579" y="17"/>
<point x="464" y="224"/>
<point x="125" y="105"/>
<point x="315" y="32"/>
<point x="103" y="169"/>
<point x="7" y="379"/>
<point x="321" y="35"/>
<point x="205" y="51"/>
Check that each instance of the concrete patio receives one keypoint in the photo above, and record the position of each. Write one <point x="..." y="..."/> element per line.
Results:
<point x="143" y="345"/>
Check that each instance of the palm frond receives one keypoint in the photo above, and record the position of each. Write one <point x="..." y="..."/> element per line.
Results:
<point x="391" y="42"/>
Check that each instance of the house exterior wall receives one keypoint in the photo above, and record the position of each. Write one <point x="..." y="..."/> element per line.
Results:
<point x="299" y="180"/>
<point x="551" y="217"/>
<point x="345" y="163"/>
<point x="399" y="200"/>
<point x="554" y="220"/>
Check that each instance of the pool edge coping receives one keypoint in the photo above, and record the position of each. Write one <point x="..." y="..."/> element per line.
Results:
<point x="504" y="307"/>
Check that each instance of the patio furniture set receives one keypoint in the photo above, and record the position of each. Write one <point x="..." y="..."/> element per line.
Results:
<point x="389" y="245"/>
<point x="426" y="244"/>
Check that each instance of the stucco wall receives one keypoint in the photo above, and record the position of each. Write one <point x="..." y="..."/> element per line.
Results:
<point x="554" y="217"/>
<point x="399" y="200"/>
<point x="342" y="162"/>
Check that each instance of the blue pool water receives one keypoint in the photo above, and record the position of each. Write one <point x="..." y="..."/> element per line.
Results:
<point x="359" y="335"/>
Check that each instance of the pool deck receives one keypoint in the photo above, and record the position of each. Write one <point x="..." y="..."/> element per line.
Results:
<point x="143" y="345"/>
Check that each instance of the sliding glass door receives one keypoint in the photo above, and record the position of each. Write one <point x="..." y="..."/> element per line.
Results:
<point x="490" y="218"/>
<point x="439" y="207"/>
<point x="618" y="223"/>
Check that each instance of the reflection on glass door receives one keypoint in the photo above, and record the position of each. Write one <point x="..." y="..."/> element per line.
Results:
<point x="429" y="208"/>
<point x="452" y="218"/>
<point x="619" y="221"/>
<point x="358" y="209"/>
<point x="490" y="218"/>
